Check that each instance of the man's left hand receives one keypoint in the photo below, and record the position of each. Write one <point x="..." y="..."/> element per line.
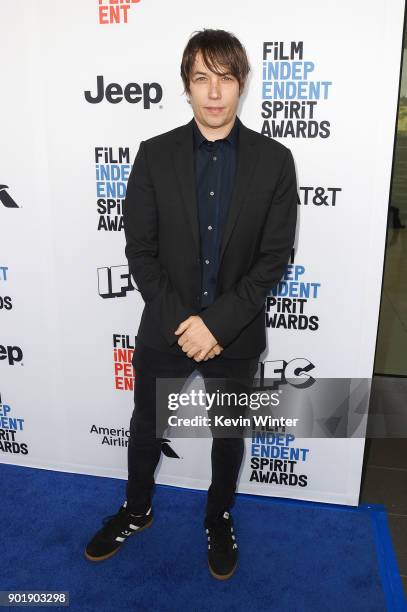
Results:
<point x="195" y="338"/>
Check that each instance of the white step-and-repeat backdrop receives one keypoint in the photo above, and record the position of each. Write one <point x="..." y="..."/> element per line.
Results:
<point x="82" y="83"/>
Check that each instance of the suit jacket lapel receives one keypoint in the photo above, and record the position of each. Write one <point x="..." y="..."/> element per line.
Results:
<point x="246" y="162"/>
<point x="185" y="170"/>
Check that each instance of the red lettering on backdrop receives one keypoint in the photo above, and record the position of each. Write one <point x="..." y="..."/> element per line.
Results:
<point x="103" y="18"/>
<point x="124" y="384"/>
<point x="124" y="372"/>
<point x="125" y="9"/>
<point x="114" y="11"/>
<point x="118" y="1"/>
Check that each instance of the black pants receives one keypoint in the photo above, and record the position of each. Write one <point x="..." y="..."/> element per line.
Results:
<point x="144" y="447"/>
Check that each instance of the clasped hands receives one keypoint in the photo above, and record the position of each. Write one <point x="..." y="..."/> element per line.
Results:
<point x="196" y="340"/>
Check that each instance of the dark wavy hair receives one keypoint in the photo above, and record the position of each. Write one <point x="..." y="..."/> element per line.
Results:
<point x="221" y="52"/>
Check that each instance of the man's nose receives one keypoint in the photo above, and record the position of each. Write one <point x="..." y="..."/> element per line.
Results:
<point x="214" y="90"/>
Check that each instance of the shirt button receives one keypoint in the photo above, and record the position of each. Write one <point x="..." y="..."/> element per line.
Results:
<point x="209" y="227"/>
<point x="211" y="193"/>
<point x="205" y="293"/>
<point x="206" y="261"/>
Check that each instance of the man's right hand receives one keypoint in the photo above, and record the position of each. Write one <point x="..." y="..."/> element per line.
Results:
<point x="216" y="350"/>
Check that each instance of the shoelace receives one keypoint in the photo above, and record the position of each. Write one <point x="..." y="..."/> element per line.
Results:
<point x="113" y="521"/>
<point x="221" y="536"/>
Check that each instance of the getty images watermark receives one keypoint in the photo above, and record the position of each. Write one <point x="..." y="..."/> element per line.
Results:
<point x="225" y="408"/>
<point x="223" y="399"/>
<point x="320" y="408"/>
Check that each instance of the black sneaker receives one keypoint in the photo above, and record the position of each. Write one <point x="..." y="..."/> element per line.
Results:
<point x="222" y="546"/>
<point x="117" y="528"/>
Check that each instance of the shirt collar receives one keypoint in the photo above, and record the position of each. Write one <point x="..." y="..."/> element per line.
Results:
<point x="232" y="137"/>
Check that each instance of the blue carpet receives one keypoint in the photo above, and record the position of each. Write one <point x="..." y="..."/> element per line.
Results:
<point x="294" y="556"/>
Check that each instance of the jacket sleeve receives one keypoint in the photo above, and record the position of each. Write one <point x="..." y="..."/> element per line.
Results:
<point x="233" y="310"/>
<point x="141" y="232"/>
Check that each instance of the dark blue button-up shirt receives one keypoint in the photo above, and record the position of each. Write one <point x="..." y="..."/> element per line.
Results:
<point x="215" y="167"/>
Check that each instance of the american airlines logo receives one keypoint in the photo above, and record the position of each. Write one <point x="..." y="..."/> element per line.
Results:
<point x="5" y="198"/>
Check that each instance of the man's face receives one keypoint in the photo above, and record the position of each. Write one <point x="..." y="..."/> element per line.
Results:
<point x="214" y="99"/>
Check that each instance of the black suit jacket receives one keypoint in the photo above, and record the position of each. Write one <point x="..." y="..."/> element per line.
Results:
<point x="162" y="239"/>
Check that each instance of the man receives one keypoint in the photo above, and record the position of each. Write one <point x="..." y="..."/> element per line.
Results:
<point x="209" y="219"/>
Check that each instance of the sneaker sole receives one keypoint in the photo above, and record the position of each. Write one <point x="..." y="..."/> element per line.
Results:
<point x="104" y="557"/>
<point x="222" y="576"/>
